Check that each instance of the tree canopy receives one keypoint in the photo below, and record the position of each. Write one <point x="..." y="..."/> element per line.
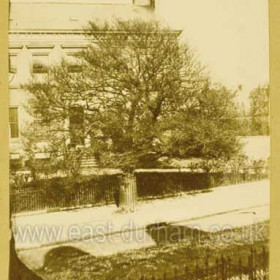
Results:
<point x="259" y="110"/>
<point x="138" y="93"/>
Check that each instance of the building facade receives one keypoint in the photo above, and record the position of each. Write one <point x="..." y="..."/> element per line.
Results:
<point x="41" y="33"/>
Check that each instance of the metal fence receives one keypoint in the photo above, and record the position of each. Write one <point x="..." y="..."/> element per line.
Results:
<point x="59" y="193"/>
<point x="255" y="268"/>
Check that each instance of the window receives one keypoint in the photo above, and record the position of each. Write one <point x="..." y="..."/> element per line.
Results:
<point x="40" y="63"/>
<point x="76" y="125"/>
<point x="13" y="116"/>
<point x="74" y="65"/>
<point x="12" y="63"/>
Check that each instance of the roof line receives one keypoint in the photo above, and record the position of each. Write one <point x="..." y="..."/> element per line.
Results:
<point x="73" y="31"/>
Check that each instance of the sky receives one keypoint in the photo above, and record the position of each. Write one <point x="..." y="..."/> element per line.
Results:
<point x="231" y="38"/>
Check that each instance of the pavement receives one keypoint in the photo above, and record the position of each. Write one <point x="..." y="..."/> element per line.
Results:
<point x="102" y="231"/>
<point x="229" y="220"/>
<point x="46" y="229"/>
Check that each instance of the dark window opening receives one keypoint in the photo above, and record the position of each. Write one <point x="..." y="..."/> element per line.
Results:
<point x="13" y="120"/>
<point x="40" y="64"/>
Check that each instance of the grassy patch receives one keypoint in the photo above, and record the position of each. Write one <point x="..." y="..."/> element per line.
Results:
<point x="71" y="263"/>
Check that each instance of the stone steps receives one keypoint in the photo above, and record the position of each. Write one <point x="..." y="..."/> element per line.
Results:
<point x="88" y="162"/>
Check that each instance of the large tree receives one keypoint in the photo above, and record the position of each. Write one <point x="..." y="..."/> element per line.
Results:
<point x="207" y="128"/>
<point x="139" y="94"/>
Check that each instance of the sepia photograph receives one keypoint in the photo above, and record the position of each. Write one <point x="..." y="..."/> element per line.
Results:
<point x="139" y="139"/>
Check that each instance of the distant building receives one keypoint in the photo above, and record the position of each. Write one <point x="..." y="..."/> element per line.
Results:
<point x="41" y="32"/>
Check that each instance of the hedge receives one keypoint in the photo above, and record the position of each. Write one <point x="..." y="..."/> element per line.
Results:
<point x="160" y="184"/>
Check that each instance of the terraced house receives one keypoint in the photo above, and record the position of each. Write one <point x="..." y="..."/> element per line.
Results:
<point x="44" y="31"/>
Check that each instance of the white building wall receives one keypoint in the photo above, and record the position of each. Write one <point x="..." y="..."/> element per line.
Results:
<point x="55" y="27"/>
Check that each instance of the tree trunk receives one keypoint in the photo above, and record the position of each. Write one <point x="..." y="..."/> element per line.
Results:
<point x="128" y="193"/>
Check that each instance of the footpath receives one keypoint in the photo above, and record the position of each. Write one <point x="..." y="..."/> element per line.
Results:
<point x="102" y="231"/>
<point x="33" y="231"/>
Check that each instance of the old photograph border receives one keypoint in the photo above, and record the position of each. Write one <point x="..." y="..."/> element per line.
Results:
<point x="274" y="20"/>
<point x="274" y="63"/>
<point x="4" y="142"/>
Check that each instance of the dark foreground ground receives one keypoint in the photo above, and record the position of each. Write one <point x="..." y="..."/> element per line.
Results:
<point x="189" y="249"/>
